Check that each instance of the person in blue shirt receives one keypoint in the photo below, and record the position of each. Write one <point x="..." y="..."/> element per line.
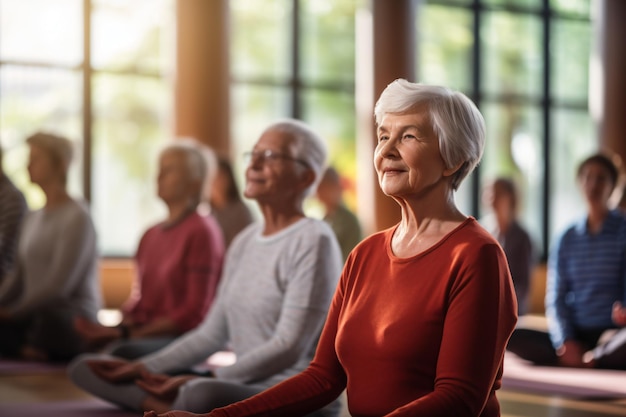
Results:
<point x="586" y="283"/>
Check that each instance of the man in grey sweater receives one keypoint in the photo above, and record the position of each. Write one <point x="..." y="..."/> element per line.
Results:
<point x="279" y="278"/>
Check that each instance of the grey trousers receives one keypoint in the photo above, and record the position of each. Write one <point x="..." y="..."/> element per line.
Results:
<point x="199" y="395"/>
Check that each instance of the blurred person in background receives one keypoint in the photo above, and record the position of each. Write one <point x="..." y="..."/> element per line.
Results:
<point x="226" y="203"/>
<point x="55" y="279"/>
<point x="344" y="223"/>
<point x="586" y="283"/>
<point x="178" y="262"/>
<point x="13" y="208"/>
<point x="501" y="197"/>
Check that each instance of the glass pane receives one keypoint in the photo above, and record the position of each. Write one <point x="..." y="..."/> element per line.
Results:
<point x="579" y="7"/>
<point x="130" y="125"/>
<point x="327" y="45"/>
<point x="445" y="56"/>
<point x="42" y="31"/>
<point x="464" y="2"/>
<point x="512" y="59"/>
<point x="574" y="139"/>
<point x="332" y="115"/>
<point x="514" y="150"/>
<point x="261" y="42"/>
<point x="527" y="4"/>
<point x="129" y="35"/>
<point x="570" y="48"/>
<point x="35" y="99"/>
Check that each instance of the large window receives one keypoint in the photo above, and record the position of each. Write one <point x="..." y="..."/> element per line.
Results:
<point x="296" y="59"/>
<point x="95" y="71"/>
<point x="526" y="64"/>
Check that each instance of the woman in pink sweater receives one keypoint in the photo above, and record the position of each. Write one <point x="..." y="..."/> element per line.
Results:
<point x="423" y="311"/>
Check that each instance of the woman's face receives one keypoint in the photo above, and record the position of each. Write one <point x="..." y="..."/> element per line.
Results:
<point x="174" y="183"/>
<point x="596" y="183"/>
<point x="41" y="167"/>
<point x="276" y="178"/>
<point x="407" y="158"/>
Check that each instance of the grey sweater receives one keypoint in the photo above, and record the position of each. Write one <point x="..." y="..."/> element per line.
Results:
<point x="271" y="306"/>
<point x="57" y="260"/>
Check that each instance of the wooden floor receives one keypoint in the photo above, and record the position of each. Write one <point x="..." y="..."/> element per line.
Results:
<point x="54" y="386"/>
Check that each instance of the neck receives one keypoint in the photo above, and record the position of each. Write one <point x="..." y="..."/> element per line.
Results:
<point x="56" y="194"/>
<point x="178" y="210"/>
<point x="596" y="217"/>
<point x="279" y="217"/>
<point x="504" y="221"/>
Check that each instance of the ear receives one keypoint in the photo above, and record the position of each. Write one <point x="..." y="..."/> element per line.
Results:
<point x="451" y="171"/>
<point x="308" y="178"/>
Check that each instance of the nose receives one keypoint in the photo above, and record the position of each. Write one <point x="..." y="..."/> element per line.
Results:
<point x="387" y="148"/>
<point x="256" y="160"/>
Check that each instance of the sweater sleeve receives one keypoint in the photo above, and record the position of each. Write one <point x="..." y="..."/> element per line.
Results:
<point x="74" y="251"/>
<point x="557" y="311"/>
<point x="12" y="211"/>
<point x="194" y="346"/>
<point x="314" y="273"/>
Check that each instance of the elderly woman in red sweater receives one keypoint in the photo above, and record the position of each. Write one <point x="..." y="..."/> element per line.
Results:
<point x="423" y="310"/>
<point x="178" y="262"/>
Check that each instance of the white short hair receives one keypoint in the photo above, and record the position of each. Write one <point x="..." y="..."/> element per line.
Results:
<point x="200" y="160"/>
<point x="455" y="119"/>
<point x="311" y="148"/>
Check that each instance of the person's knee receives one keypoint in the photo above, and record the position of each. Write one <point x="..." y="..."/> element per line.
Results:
<point x="196" y="396"/>
<point x="202" y="395"/>
<point x="78" y="369"/>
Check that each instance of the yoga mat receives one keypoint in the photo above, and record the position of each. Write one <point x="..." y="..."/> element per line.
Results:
<point x="522" y="375"/>
<point x="77" y="408"/>
<point x="14" y="367"/>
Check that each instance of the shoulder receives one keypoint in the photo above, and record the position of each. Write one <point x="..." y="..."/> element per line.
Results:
<point x="307" y="234"/>
<point x="77" y="207"/>
<point x="472" y="232"/>
<point x="616" y="222"/>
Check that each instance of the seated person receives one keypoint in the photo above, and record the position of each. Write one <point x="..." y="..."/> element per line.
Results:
<point x="279" y="277"/>
<point x="344" y="223"/>
<point x="14" y="209"/>
<point x="178" y="263"/>
<point x="226" y="204"/>
<point x="585" y="283"/>
<point x="55" y="279"/>
<point x="501" y="197"/>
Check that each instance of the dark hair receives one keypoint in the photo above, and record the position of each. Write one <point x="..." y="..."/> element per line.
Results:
<point x="508" y="186"/>
<point x="232" y="191"/>
<point x="602" y="160"/>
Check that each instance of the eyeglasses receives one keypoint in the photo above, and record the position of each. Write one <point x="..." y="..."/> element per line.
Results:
<point x="270" y="156"/>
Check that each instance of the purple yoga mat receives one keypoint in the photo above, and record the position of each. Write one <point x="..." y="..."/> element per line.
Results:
<point x="76" y="408"/>
<point x="16" y="367"/>
<point x="572" y="382"/>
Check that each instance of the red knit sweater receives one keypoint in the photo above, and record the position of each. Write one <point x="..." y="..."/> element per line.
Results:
<point x="419" y="336"/>
<point x="178" y="271"/>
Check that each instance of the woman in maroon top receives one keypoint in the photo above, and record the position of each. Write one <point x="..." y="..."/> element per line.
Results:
<point x="178" y="263"/>
<point x="423" y="311"/>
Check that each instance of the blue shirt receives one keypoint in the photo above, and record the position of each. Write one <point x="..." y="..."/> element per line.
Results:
<point x="586" y="275"/>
